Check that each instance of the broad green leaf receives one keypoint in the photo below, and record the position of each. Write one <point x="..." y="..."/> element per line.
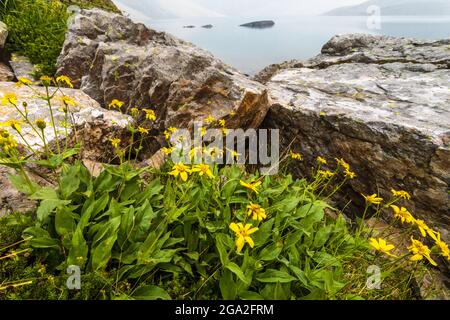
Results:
<point x="79" y="250"/>
<point x="322" y="236"/>
<point x="264" y="233"/>
<point x="227" y="286"/>
<point x="250" y="295"/>
<point x="64" y="221"/>
<point x="70" y="182"/>
<point x="237" y="271"/>
<point x="21" y="184"/>
<point x="46" y="208"/>
<point x="151" y="292"/>
<point x="222" y="248"/>
<point x="44" y="243"/>
<point x="274" y="276"/>
<point x="270" y="252"/>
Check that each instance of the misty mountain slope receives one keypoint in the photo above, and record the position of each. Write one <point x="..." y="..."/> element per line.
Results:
<point x="396" y="8"/>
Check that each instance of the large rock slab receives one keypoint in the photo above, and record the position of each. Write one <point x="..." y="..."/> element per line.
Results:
<point x="383" y="104"/>
<point x="110" y="57"/>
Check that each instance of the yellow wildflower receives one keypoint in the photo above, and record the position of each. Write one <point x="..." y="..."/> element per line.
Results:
<point x="9" y="98"/>
<point x="420" y="251"/>
<point x="46" y="80"/>
<point x="116" y="104"/>
<point x="321" y="160"/>
<point x="134" y="112"/>
<point x="180" y="170"/>
<point x="401" y="194"/>
<point x="424" y="229"/>
<point x="403" y="214"/>
<point x="202" y="131"/>
<point x="256" y="211"/>
<point x="222" y="123"/>
<point x="349" y="174"/>
<point x="382" y="246"/>
<point x="150" y="114"/>
<point x="224" y="131"/>
<point x="15" y="124"/>
<point x="115" y="142"/>
<point x="68" y="101"/>
<point x="443" y="247"/>
<point x="326" y="174"/>
<point x="143" y="130"/>
<point x="214" y="152"/>
<point x="203" y="169"/>
<point x="243" y="235"/>
<point x="253" y="186"/>
<point x="195" y="153"/>
<point x="210" y="119"/>
<point x="343" y="164"/>
<point x="168" y="151"/>
<point x="23" y="81"/>
<point x="296" y="156"/>
<point x="64" y="80"/>
<point x="373" y="199"/>
<point x="7" y="142"/>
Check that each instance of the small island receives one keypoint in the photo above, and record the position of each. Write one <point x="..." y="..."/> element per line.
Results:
<point x="259" y="24"/>
<point x="189" y="27"/>
<point x="208" y="26"/>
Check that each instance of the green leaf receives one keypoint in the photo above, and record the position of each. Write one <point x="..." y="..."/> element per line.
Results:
<point x="274" y="276"/>
<point x="238" y="272"/>
<point x="70" y="182"/>
<point x="46" y="193"/>
<point x="47" y="207"/>
<point x="264" y="233"/>
<point x="64" y="221"/>
<point x="300" y="274"/>
<point x="270" y="252"/>
<point x="221" y="240"/>
<point x="151" y="293"/>
<point x="227" y="286"/>
<point x="250" y="295"/>
<point x="44" y="243"/>
<point x="79" y="250"/>
<point x="322" y="236"/>
<point x="21" y="184"/>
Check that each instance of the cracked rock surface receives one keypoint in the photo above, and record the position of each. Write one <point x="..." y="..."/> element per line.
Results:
<point x="110" y="57"/>
<point x="383" y="104"/>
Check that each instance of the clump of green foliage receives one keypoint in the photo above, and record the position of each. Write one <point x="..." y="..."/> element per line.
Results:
<point x="187" y="231"/>
<point x="37" y="28"/>
<point x="89" y="4"/>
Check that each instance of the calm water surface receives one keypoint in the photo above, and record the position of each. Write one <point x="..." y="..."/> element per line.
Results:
<point x="250" y="50"/>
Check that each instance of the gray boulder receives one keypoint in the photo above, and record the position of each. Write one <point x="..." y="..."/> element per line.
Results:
<point x="381" y="103"/>
<point x="110" y="57"/>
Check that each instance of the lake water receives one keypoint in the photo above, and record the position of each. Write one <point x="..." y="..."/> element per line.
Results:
<point x="250" y="50"/>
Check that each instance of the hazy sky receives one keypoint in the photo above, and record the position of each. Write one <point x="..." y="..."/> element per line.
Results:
<point x="198" y="8"/>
